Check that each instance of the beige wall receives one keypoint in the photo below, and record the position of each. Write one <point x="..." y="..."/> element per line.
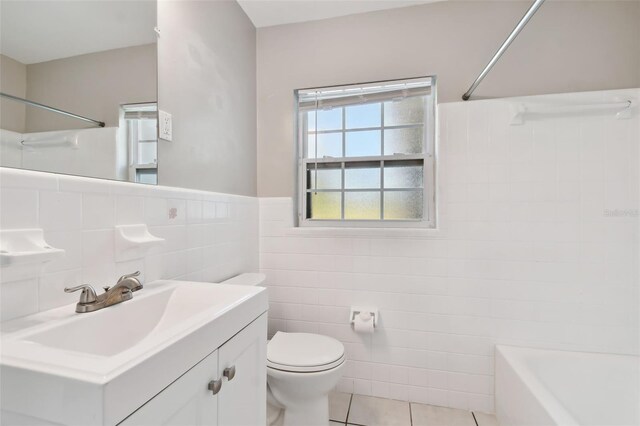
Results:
<point x="207" y="74"/>
<point x="567" y="47"/>
<point x="13" y="80"/>
<point x="92" y="85"/>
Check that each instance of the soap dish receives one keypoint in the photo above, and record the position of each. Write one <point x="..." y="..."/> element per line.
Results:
<point x="133" y="241"/>
<point x="25" y="246"/>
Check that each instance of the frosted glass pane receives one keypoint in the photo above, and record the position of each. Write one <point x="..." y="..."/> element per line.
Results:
<point x="403" y="205"/>
<point x="362" y="178"/>
<point x="325" y="205"/>
<point x="403" y="177"/>
<point x="403" y="141"/>
<point x="330" y="119"/>
<point x="362" y="144"/>
<point x="362" y="205"/>
<point x="407" y="111"/>
<point x="328" y="178"/>
<point x="329" y="145"/>
<point x="360" y="116"/>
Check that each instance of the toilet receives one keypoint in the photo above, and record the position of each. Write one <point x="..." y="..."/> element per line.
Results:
<point x="302" y="368"/>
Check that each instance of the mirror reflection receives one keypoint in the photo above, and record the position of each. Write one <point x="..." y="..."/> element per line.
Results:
<point x="79" y="88"/>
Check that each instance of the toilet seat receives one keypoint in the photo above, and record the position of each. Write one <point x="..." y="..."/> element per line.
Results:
<point x="304" y="352"/>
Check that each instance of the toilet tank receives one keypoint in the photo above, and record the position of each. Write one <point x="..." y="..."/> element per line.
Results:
<point x="248" y="278"/>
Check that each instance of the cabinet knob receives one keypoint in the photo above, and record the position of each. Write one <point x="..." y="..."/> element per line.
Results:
<point x="215" y="386"/>
<point x="229" y="372"/>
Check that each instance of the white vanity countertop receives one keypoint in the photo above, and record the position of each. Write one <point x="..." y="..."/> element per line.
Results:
<point x="103" y="365"/>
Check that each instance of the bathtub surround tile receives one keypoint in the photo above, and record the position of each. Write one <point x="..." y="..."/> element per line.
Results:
<point x="339" y="406"/>
<point x="371" y="411"/>
<point x="431" y="415"/>
<point x="81" y="217"/>
<point x="484" y="419"/>
<point x="533" y="248"/>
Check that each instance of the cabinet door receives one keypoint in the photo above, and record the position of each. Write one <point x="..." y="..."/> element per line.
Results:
<point x="187" y="401"/>
<point x="243" y="398"/>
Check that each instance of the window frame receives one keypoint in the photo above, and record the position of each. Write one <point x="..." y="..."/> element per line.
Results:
<point x="132" y="133"/>
<point x="428" y="158"/>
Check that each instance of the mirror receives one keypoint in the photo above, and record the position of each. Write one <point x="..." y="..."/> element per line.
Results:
<point x="79" y="88"/>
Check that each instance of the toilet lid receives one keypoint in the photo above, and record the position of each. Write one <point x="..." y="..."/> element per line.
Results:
<point x="304" y="352"/>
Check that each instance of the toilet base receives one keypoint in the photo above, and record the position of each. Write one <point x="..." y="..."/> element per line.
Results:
<point x="275" y="415"/>
<point x="302" y="398"/>
<point x="275" y="411"/>
<point x="311" y="414"/>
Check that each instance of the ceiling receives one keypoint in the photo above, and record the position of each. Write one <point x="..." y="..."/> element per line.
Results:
<point x="38" y="31"/>
<point x="44" y="30"/>
<point x="266" y="13"/>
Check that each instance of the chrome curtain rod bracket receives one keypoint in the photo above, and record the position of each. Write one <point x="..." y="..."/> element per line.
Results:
<point x="525" y="19"/>
<point x="52" y="109"/>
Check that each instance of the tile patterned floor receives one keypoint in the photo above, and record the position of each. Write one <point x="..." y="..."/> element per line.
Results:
<point x="347" y="409"/>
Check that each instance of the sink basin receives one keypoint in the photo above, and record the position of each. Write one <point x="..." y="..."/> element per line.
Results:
<point x="120" y="327"/>
<point x="118" y="357"/>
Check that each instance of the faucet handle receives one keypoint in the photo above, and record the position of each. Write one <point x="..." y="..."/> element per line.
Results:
<point x="88" y="293"/>
<point x="131" y="275"/>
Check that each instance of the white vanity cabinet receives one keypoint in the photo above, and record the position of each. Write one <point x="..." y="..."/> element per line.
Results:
<point x="242" y="400"/>
<point x="238" y="367"/>
<point x="187" y="401"/>
<point x="63" y="368"/>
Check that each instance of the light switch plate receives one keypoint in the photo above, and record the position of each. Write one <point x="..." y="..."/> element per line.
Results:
<point x="165" y="125"/>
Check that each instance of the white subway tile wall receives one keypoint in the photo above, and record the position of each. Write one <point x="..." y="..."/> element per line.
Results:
<point x="209" y="236"/>
<point x="537" y="245"/>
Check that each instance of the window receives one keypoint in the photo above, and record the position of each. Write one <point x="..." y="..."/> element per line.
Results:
<point x="366" y="154"/>
<point x="142" y="136"/>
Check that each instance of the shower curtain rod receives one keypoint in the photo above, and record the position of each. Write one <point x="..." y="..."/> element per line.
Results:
<point x="52" y="109"/>
<point x="527" y="16"/>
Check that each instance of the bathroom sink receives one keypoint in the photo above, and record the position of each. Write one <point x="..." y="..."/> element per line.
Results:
<point x="123" y="326"/>
<point x="118" y="357"/>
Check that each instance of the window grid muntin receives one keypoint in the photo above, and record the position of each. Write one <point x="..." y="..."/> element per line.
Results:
<point x="342" y="161"/>
<point x="427" y="157"/>
<point x="343" y="190"/>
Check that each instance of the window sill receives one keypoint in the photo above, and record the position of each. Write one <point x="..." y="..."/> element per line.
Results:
<point x="324" y="231"/>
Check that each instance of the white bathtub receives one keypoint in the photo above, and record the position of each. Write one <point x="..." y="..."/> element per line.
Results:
<point x="543" y="387"/>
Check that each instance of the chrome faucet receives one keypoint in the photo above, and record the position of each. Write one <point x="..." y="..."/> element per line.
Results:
<point x="122" y="291"/>
<point x="128" y="282"/>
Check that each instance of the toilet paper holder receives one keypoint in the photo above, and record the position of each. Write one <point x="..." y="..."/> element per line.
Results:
<point x="357" y="310"/>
